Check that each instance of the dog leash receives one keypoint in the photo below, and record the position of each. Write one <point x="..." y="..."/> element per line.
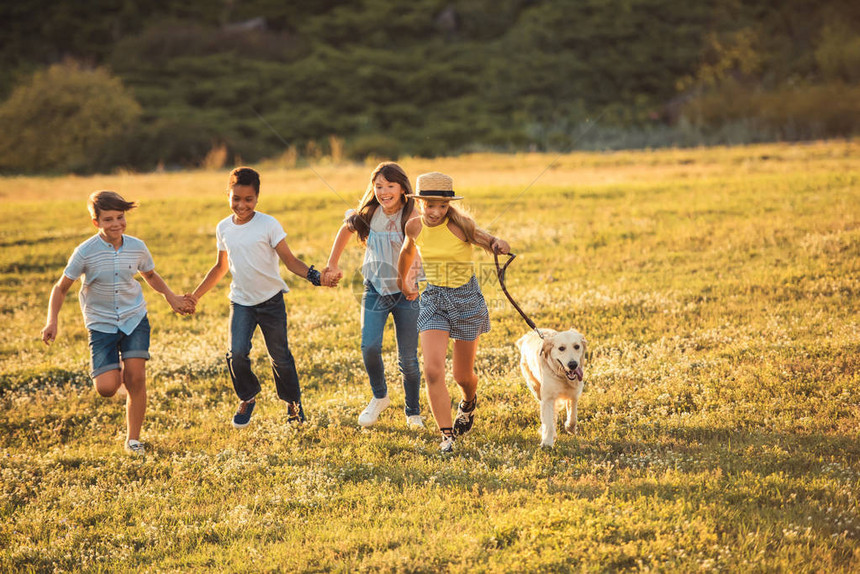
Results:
<point x="500" y="273"/>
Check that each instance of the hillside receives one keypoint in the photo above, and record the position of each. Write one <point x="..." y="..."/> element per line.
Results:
<point x="427" y="77"/>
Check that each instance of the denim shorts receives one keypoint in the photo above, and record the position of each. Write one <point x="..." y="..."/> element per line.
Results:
<point x="106" y="348"/>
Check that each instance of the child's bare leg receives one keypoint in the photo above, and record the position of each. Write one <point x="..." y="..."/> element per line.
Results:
<point x="464" y="367"/>
<point x="108" y="383"/>
<point x="434" y="347"/>
<point x="134" y="378"/>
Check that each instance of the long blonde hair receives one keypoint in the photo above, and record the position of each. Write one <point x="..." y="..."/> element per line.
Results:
<point x="464" y="222"/>
<point x="360" y="220"/>
<point x="461" y="218"/>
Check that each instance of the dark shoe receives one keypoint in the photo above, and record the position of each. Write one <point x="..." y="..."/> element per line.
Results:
<point x="242" y="418"/>
<point x="465" y="416"/>
<point x="295" y="414"/>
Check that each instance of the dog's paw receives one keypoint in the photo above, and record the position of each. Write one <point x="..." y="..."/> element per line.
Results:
<point x="547" y="440"/>
<point x="570" y="427"/>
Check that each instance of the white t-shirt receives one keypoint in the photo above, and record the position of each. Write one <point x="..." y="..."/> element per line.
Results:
<point x="254" y="264"/>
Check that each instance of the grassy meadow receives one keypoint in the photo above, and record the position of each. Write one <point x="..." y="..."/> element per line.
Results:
<point x="719" y="290"/>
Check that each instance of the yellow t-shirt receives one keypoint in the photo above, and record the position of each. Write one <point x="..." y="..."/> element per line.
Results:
<point x="446" y="258"/>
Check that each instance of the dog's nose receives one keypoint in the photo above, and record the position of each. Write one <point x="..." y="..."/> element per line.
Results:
<point x="572" y="365"/>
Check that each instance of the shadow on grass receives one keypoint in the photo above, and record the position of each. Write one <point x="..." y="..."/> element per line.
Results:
<point x="32" y="380"/>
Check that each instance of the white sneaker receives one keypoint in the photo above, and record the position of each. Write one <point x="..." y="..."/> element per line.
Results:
<point x="371" y="414"/>
<point x="447" y="444"/>
<point x="135" y="447"/>
<point x="415" y="422"/>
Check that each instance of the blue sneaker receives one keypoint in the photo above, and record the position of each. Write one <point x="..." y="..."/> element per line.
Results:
<point x="242" y="418"/>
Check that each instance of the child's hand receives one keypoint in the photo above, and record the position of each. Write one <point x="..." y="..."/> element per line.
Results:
<point x="49" y="333"/>
<point x="178" y="304"/>
<point x="331" y="276"/>
<point x="500" y="246"/>
<point x="190" y="303"/>
<point x="408" y="289"/>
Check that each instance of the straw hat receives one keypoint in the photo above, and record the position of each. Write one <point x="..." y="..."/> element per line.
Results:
<point x="434" y="185"/>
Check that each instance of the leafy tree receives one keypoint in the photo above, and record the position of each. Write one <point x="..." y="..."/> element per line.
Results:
<point x="62" y="118"/>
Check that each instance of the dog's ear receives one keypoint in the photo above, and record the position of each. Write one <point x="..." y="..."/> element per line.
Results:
<point x="546" y="347"/>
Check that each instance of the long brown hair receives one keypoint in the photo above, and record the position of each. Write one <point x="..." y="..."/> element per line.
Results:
<point x="360" y="220"/>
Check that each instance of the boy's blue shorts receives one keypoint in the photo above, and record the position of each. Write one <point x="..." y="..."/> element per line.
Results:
<point x="106" y="348"/>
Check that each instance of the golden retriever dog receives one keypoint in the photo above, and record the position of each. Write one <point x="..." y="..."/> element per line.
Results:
<point x="552" y="368"/>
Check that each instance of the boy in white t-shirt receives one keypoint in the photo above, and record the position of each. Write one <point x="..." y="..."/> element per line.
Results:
<point x="249" y="246"/>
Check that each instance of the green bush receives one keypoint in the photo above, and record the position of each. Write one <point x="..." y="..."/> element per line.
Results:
<point x="62" y="119"/>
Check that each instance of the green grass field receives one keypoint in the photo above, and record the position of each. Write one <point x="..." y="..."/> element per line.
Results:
<point x="720" y="292"/>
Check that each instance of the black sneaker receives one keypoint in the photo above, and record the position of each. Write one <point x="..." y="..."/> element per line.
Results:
<point x="295" y="414"/>
<point x="465" y="416"/>
<point x="242" y="418"/>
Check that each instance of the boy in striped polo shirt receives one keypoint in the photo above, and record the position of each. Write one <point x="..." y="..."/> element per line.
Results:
<point x="113" y="306"/>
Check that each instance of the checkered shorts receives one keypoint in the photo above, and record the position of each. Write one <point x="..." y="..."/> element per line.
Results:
<point x="461" y="310"/>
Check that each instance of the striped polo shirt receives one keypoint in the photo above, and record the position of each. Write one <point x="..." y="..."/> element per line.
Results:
<point x="111" y="299"/>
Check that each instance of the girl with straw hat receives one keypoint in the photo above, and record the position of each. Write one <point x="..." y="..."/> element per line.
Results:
<point x="452" y="305"/>
<point x="378" y="224"/>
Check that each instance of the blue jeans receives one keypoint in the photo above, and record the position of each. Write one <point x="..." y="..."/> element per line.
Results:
<point x="375" y="309"/>
<point x="271" y="316"/>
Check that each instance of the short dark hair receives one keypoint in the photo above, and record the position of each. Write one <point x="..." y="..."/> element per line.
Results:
<point x="245" y="176"/>
<point x="107" y="201"/>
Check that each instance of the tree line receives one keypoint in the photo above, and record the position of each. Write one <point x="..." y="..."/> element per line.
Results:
<point x="125" y="83"/>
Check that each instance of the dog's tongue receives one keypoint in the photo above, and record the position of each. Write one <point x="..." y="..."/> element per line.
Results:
<point x="578" y="372"/>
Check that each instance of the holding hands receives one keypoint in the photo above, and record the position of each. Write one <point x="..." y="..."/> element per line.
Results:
<point x="409" y="290"/>
<point x="331" y="276"/>
<point x="184" y="304"/>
